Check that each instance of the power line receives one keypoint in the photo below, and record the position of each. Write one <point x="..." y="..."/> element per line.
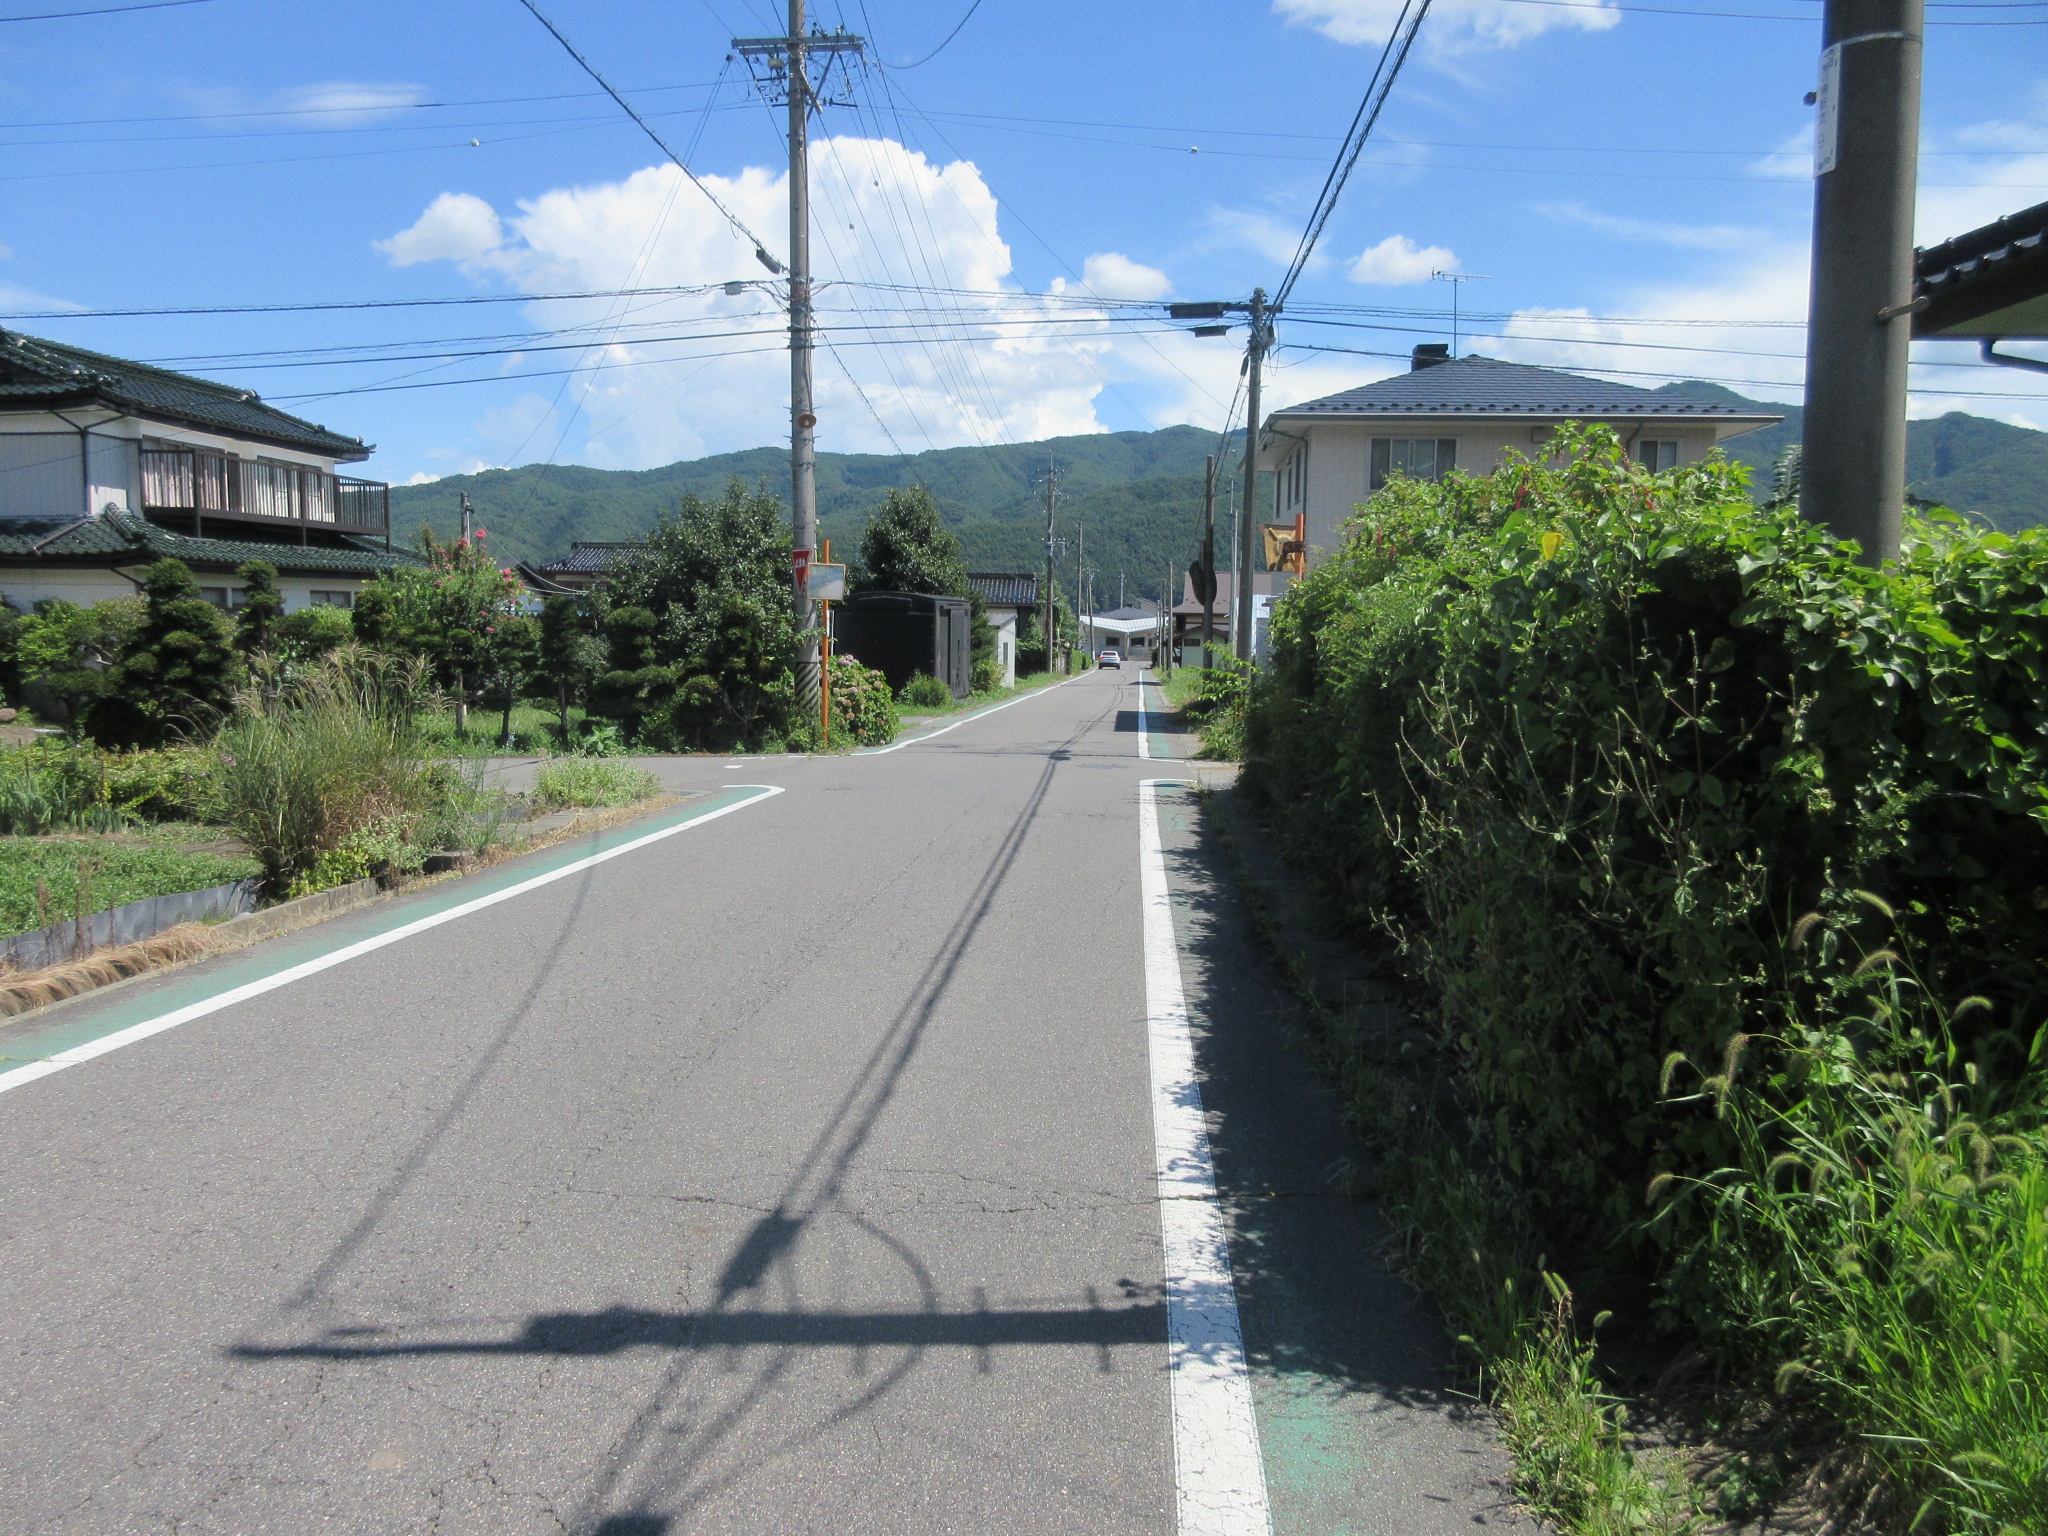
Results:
<point x="1637" y="373"/>
<point x="108" y="10"/>
<point x="1399" y="41"/>
<point x="760" y="249"/>
<point x="942" y="46"/>
<point x="1659" y="10"/>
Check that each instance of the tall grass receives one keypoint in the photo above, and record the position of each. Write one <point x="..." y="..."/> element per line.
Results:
<point x="591" y="781"/>
<point x="332" y="757"/>
<point x="1882" y="1239"/>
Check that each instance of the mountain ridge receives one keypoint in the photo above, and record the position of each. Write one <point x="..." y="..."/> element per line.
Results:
<point x="1137" y="495"/>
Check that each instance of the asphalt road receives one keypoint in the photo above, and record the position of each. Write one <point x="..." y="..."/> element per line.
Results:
<point x="795" y="1172"/>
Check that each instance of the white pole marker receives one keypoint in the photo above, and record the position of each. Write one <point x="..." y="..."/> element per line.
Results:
<point x="1219" y="1474"/>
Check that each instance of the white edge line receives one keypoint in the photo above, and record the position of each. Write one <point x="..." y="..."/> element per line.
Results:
<point x="979" y="714"/>
<point x="1219" y="1473"/>
<point x="199" y="1010"/>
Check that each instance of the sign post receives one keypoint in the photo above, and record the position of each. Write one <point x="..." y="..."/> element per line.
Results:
<point x="825" y="584"/>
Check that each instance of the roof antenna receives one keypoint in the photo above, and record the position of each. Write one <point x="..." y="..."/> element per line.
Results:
<point x="1455" y="278"/>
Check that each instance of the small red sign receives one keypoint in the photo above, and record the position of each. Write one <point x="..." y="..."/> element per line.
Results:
<point x="800" y="571"/>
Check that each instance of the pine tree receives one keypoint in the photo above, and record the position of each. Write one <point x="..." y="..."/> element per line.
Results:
<point x="262" y="609"/>
<point x="178" y="673"/>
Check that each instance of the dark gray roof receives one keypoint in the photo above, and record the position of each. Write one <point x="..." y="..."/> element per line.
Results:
<point x="37" y="372"/>
<point x="1005" y="591"/>
<point x="117" y="538"/>
<point x="592" y="556"/>
<point x="1482" y="386"/>
<point x="1992" y="281"/>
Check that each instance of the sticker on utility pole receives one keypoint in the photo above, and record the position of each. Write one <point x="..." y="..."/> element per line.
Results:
<point x="1827" y="116"/>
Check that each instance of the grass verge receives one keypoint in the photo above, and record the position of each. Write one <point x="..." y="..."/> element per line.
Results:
<point x="1514" y="1321"/>
<point x="913" y="715"/>
<point x="591" y="781"/>
<point x="45" y="880"/>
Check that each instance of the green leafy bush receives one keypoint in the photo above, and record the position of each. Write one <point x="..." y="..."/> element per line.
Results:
<point x="1594" y="747"/>
<point x="591" y="781"/>
<point x="1586" y="741"/>
<point x="926" y="692"/>
<point x="862" y="709"/>
<point x="312" y="632"/>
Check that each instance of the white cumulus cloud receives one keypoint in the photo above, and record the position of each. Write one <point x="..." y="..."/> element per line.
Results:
<point x="1455" y="26"/>
<point x="1397" y="260"/>
<point x="1113" y="275"/>
<point x="925" y="337"/>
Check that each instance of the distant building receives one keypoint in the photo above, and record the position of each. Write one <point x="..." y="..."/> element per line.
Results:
<point x="1129" y="631"/>
<point x="1466" y="413"/>
<point x="1010" y="604"/>
<point x="1187" y="613"/>
<point x="107" y="466"/>
<point x="586" y="564"/>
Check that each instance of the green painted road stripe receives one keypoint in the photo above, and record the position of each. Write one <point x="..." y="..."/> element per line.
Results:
<point x="148" y="1010"/>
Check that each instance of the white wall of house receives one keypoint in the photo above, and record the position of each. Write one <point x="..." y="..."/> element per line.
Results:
<point x="24" y="587"/>
<point x="1004" y="622"/>
<point x="1324" y="467"/>
<point x="42" y="476"/>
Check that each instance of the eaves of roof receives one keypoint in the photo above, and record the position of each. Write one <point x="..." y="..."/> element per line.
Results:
<point x="33" y="371"/>
<point x="112" y="538"/>
<point x="1485" y="387"/>
<point x="1991" y="281"/>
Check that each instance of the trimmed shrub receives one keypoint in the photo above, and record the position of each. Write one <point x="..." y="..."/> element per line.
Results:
<point x="926" y="692"/>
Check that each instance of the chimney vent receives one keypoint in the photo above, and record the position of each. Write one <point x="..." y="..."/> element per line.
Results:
<point x="1428" y="355"/>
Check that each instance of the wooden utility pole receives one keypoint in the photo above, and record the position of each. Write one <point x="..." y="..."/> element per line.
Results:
<point x="1248" y="521"/>
<point x="1866" y="158"/>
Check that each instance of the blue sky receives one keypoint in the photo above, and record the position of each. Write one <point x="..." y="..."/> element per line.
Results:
<point x="1597" y="165"/>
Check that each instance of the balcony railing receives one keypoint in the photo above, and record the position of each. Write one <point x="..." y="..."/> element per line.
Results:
<point x="203" y="485"/>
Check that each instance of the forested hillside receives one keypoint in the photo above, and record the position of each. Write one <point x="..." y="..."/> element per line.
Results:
<point x="1138" y="494"/>
<point x="1958" y="460"/>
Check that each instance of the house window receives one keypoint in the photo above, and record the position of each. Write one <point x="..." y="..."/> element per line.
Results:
<point x="1656" y="454"/>
<point x="1294" y="479"/>
<point x="1419" y="458"/>
<point x="218" y="596"/>
<point x="333" y="599"/>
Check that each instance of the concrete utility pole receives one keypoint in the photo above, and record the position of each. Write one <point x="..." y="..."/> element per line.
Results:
<point x="467" y="517"/>
<point x="1866" y="159"/>
<point x="787" y="60"/>
<point x="1052" y="495"/>
<point x="1209" y="563"/>
<point x="1248" y="523"/>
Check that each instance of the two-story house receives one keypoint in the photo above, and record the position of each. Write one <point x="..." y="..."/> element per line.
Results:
<point x="108" y="465"/>
<point x="1466" y="413"/>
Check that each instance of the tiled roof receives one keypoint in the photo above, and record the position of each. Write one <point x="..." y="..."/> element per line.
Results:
<point x="1996" y="275"/>
<point x="1005" y="591"/>
<point x="1482" y="386"/>
<point x="585" y="557"/>
<point x="115" y="538"/>
<point x="33" y="370"/>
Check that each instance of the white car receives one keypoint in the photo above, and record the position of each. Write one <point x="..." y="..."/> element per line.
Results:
<point x="1110" y="659"/>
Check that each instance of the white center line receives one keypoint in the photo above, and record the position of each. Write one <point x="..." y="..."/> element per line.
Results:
<point x="1219" y="1474"/>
